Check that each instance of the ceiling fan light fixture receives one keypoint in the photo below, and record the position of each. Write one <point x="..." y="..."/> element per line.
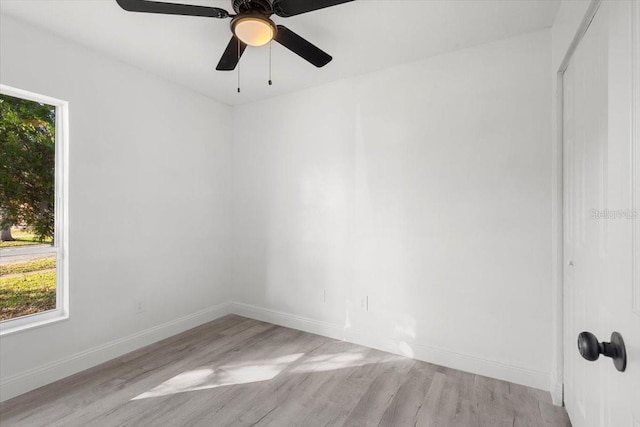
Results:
<point x="254" y="30"/>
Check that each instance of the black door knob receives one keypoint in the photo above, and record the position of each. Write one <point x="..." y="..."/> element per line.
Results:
<point x="591" y="349"/>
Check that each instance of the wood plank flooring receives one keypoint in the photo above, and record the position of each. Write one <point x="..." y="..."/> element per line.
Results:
<point x="242" y="372"/>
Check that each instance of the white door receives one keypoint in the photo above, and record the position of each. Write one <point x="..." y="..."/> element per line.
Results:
<point x="601" y="126"/>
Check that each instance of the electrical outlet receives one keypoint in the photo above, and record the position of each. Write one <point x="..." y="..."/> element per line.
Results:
<point x="324" y="296"/>
<point x="138" y="306"/>
<point x="364" y="303"/>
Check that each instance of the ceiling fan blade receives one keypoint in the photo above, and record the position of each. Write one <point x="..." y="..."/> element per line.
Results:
<point x="285" y="8"/>
<point x="172" y="8"/>
<point x="231" y="55"/>
<point x="301" y="47"/>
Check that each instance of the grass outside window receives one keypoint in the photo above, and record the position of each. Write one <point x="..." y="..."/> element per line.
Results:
<point x="27" y="286"/>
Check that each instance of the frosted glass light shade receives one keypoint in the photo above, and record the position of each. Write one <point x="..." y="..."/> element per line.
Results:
<point x="254" y="31"/>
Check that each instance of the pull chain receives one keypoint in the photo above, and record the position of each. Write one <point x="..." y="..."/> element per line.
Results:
<point x="238" y="65"/>
<point x="270" y="82"/>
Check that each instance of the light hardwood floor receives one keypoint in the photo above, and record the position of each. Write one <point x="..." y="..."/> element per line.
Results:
<point x="241" y="372"/>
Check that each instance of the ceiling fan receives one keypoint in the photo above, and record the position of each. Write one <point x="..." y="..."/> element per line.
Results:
<point x="251" y="25"/>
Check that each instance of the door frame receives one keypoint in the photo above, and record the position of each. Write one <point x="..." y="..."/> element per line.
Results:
<point x="558" y="211"/>
<point x="558" y="190"/>
<point x="635" y="153"/>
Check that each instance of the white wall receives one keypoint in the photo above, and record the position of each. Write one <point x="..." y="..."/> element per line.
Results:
<point x="150" y="206"/>
<point x="427" y="188"/>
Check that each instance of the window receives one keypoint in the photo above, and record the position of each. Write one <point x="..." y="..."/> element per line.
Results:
<point x="33" y="210"/>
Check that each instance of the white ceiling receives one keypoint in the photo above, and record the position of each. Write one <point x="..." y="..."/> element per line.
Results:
<point x="362" y="36"/>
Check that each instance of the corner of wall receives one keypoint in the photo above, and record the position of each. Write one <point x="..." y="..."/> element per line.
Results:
<point x="556" y="389"/>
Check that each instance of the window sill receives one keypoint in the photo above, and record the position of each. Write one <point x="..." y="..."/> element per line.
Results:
<point x="25" y="323"/>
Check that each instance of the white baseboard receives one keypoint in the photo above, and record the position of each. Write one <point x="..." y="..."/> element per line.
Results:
<point x="450" y="359"/>
<point x="438" y="356"/>
<point x="292" y="321"/>
<point x="557" y="392"/>
<point x="37" y="377"/>
<point x="29" y="380"/>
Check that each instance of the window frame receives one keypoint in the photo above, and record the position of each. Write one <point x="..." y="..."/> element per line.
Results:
<point x="61" y="226"/>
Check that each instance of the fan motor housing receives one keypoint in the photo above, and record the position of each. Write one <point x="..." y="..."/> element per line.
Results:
<point x="242" y="6"/>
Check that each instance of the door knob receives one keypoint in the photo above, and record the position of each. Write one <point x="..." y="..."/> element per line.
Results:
<point x="591" y="349"/>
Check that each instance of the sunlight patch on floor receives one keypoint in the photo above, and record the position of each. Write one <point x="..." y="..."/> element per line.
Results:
<point x="224" y="375"/>
<point x="330" y="362"/>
